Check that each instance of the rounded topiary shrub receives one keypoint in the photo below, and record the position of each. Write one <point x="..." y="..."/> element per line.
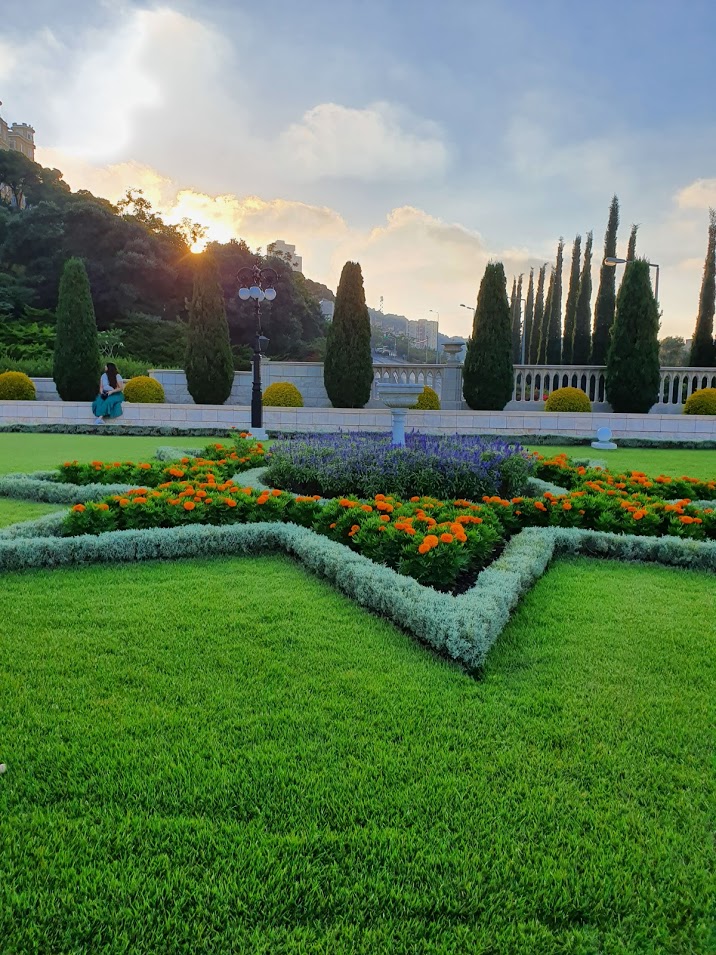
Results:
<point x="282" y="394"/>
<point x="144" y="390"/>
<point x="16" y="386"/>
<point x="701" y="402"/>
<point x="427" y="401"/>
<point x="568" y="399"/>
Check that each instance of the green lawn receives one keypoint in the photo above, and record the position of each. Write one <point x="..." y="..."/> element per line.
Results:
<point x="653" y="461"/>
<point x="228" y="756"/>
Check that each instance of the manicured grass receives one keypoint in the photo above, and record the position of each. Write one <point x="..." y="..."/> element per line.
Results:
<point x="653" y="461"/>
<point x="206" y="757"/>
<point x="12" y="510"/>
<point x="34" y="452"/>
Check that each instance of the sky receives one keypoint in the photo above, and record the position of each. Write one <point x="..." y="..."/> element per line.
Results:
<point x="421" y="140"/>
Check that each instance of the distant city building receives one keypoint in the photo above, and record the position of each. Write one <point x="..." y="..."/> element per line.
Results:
<point x="285" y="251"/>
<point x="327" y="308"/>
<point x="422" y="332"/>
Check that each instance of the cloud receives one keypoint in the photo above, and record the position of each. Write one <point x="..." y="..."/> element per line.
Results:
<point x="700" y="194"/>
<point x="379" y="142"/>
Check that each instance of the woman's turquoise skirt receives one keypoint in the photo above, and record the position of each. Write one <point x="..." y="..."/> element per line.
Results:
<point x="110" y="407"/>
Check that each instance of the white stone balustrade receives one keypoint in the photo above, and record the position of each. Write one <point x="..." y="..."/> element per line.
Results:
<point x="534" y="382"/>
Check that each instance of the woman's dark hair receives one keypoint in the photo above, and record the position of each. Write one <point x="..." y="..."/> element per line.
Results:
<point x="112" y="373"/>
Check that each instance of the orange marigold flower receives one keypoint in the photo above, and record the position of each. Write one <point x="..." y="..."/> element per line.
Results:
<point x="447" y="538"/>
<point x="123" y="501"/>
<point x="382" y="506"/>
<point x="96" y="464"/>
<point x="686" y="519"/>
<point x="414" y="500"/>
<point x="331" y="526"/>
<point x="103" y="506"/>
<point x="176" y="472"/>
<point x="140" y="500"/>
<point x="275" y="493"/>
<point x="79" y="508"/>
<point x="566" y="506"/>
<point x="380" y="497"/>
<point x="385" y="517"/>
<point x="423" y="548"/>
<point x="637" y="515"/>
<point x="189" y="505"/>
<point x="143" y="466"/>
<point x="540" y="506"/>
<point x="367" y="508"/>
<point x="431" y="540"/>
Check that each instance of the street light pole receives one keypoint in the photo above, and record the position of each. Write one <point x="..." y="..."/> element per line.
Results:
<point x="613" y="261"/>
<point x="258" y="284"/>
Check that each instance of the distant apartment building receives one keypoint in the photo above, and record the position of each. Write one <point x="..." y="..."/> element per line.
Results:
<point x="287" y="252"/>
<point x="424" y="332"/>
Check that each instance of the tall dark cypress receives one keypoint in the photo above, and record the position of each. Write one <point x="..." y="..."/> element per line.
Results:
<point x="514" y="325"/>
<point x="606" y="295"/>
<point x="583" y="321"/>
<point x="529" y="314"/>
<point x="538" y="317"/>
<point x="632" y="378"/>
<point x="208" y="363"/>
<point x="348" y="366"/>
<point x="631" y="248"/>
<point x="76" y="365"/>
<point x="703" y="346"/>
<point x="517" y="322"/>
<point x="570" y="312"/>
<point x="553" y="319"/>
<point x="544" y="330"/>
<point x="488" y="374"/>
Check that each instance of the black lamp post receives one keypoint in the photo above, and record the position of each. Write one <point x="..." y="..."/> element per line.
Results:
<point x="258" y="284"/>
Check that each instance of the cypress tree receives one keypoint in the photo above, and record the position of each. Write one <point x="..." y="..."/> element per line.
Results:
<point x="553" y="318"/>
<point x="348" y="367"/>
<point x="538" y="317"/>
<point x="606" y="295"/>
<point x="632" y="377"/>
<point x="631" y="248"/>
<point x="209" y="363"/>
<point x="703" y="346"/>
<point x="544" y="330"/>
<point x="570" y="312"/>
<point x="583" y="321"/>
<point x="513" y="318"/>
<point x="488" y="374"/>
<point x="529" y="314"/>
<point x="76" y="365"/>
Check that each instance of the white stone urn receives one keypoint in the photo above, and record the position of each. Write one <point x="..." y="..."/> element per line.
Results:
<point x="453" y="350"/>
<point x="398" y="397"/>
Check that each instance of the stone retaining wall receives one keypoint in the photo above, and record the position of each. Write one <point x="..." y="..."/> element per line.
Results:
<point x="651" y="426"/>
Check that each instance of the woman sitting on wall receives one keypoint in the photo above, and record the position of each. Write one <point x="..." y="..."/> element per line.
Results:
<point x="108" y="403"/>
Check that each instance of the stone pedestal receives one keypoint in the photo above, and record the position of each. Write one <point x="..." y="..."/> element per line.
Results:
<point x="399" y="397"/>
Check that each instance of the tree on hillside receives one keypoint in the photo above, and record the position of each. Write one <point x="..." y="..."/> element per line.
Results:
<point x="570" y="311"/>
<point x="76" y="364"/>
<point x="673" y="352"/>
<point x="582" y="342"/>
<point x="529" y="314"/>
<point x="703" y="347"/>
<point x="606" y="295"/>
<point x="631" y="248"/>
<point x="348" y="366"/>
<point x="553" y="319"/>
<point x="209" y="363"/>
<point x="488" y="374"/>
<point x="536" y="332"/>
<point x="632" y="377"/>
